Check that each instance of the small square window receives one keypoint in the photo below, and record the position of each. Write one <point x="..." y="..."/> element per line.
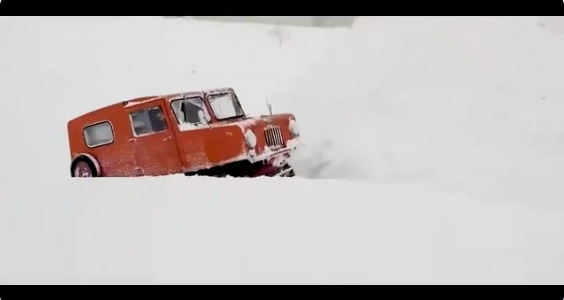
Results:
<point x="148" y="121"/>
<point x="98" y="134"/>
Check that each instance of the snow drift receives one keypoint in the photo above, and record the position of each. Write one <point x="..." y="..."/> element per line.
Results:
<point x="443" y="138"/>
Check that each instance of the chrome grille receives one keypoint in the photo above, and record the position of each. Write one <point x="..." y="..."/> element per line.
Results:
<point x="273" y="136"/>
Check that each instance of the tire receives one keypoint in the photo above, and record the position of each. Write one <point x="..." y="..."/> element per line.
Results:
<point x="83" y="167"/>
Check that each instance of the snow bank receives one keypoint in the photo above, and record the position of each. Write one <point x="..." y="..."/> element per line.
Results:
<point x="441" y="134"/>
<point x="174" y="230"/>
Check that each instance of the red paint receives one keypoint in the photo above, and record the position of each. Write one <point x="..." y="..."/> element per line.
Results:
<point x="171" y="150"/>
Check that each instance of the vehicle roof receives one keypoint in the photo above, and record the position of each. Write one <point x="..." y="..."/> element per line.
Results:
<point x="173" y="96"/>
<point x="167" y="97"/>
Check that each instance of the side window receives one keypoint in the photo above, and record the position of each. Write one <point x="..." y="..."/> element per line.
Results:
<point x="190" y="111"/>
<point x="148" y="121"/>
<point x="98" y="134"/>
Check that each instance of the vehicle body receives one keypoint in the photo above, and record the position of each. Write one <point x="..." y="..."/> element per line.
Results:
<point x="194" y="133"/>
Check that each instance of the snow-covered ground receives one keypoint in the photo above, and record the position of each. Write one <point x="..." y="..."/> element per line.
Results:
<point x="445" y="137"/>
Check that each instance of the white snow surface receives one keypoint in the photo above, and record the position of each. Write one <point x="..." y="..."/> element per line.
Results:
<point x="444" y="139"/>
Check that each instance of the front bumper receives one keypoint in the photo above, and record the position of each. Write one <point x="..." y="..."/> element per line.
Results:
<point x="269" y="154"/>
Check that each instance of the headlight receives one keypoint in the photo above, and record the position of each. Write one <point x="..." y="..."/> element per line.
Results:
<point x="293" y="127"/>
<point x="251" y="139"/>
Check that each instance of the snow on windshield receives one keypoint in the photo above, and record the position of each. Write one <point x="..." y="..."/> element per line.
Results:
<point x="225" y="106"/>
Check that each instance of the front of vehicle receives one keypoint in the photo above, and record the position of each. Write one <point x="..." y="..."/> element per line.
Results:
<point x="269" y="139"/>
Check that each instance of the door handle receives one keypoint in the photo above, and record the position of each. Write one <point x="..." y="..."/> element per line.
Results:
<point x="139" y="171"/>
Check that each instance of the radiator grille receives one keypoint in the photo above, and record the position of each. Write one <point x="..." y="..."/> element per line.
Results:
<point x="273" y="137"/>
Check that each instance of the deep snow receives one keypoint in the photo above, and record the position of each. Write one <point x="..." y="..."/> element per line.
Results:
<point x="444" y="137"/>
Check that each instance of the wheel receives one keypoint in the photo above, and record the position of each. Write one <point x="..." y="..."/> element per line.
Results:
<point x="83" y="168"/>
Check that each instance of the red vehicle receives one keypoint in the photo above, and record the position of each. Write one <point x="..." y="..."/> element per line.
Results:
<point x="194" y="133"/>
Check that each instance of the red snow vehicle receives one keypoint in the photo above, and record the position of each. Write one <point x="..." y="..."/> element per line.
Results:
<point x="194" y="133"/>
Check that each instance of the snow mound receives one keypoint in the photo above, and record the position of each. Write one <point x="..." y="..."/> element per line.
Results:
<point x="435" y="145"/>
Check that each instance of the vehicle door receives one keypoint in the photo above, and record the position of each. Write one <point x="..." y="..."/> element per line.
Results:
<point x="192" y="130"/>
<point x="153" y="140"/>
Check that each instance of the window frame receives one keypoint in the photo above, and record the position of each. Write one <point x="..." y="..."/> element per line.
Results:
<point x="205" y="106"/>
<point x="94" y="124"/>
<point x="146" y="111"/>
<point x="234" y="96"/>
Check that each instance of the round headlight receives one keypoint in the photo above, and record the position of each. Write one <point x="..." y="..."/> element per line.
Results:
<point x="251" y="139"/>
<point x="293" y="127"/>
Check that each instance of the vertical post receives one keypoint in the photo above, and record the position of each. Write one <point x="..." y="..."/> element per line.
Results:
<point x="269" y="107"/>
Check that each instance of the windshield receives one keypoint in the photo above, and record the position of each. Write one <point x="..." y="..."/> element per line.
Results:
<point x="190" y="111"/>
<point x="225" y="106"/>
